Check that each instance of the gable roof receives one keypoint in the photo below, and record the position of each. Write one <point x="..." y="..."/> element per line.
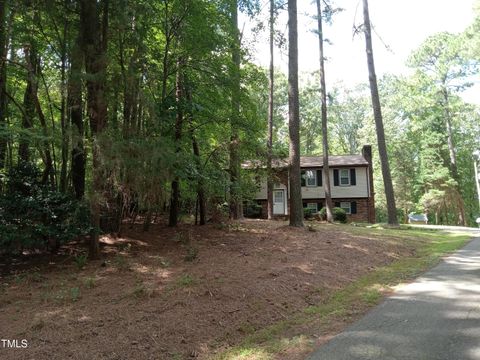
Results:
<point x="333" y="160"/>
<point x="312" y="161"/>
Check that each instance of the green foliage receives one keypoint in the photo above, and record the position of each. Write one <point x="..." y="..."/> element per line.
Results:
<point x="253" y="210"/>
<point x="308" y="213"/>
<point x="185" y="280"/>
<point x="192" y="254"/>
<point x="81" y="260"/>
<point x="34" y="216"/>
<point x="338" y="214"/>
<point x="75" y="294"/>
<point x="90" y="282"/>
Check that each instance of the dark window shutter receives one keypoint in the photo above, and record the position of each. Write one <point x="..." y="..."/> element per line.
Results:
<point x="304" y="205"/>
<point x="353" y="177"/>
<point x="336" y="180"/>
<point x="302" y="176"/>
<point x="337" y="204"/>
<point x="353" y="207"/>
<point x="319" y="177"/>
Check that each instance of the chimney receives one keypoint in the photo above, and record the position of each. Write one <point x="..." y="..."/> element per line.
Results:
<point x="367" y="153"/>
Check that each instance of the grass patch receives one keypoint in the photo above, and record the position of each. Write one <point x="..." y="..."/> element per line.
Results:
<point x="75" y="294"/>
<point x="249" y="353"/>
<point x="90" y="282"/>
<point x="185" y="281"/>
<point x="360" y="295"/>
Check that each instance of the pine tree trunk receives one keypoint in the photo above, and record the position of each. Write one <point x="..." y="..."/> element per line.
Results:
<point x="200" y="206"/>
<point x="94" y="37"/>
<point x="476" y="161"/>
<point x="75" y="105"/>
<point x="296" y="209"/>
<point x="453" y="157"/>
<point x="175" y="194"/>
<point x="236" y="211"/>
<point x="270" y="116"/>
<point x="48" y="172"/>
<point x="28" y="105"/>
<point x="377" y="113"/>
<point x="3" y="81"/>
<point x="200" y="185"/>
<point x="323" y="94"/>
<point x="63" y="108"/>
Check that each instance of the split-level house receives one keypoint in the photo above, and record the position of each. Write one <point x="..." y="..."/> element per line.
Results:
<point x="351" y="185"/>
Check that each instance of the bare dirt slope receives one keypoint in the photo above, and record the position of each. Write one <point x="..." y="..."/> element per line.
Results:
<point x="177" y="294"/>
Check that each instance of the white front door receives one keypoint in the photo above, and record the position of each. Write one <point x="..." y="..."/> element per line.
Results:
<point x="279" y="202"/>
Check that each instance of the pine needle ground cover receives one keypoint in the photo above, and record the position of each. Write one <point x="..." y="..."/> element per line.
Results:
<point x="243" y="290"/>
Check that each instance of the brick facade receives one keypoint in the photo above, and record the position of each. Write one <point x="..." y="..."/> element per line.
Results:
<point x="362" y="214"/>
<point x="363" y="209"/>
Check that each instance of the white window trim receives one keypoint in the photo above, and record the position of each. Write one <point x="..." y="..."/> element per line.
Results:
<point x="340" y="177"/>
<point x="314" y="178"/>
<point x="311" y="207"/>
<point x="347" y="208"/>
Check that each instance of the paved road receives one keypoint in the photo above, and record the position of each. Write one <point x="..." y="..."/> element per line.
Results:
<point x="435" y="318"/>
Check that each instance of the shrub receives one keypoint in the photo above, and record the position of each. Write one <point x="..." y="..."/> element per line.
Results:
<point x="81" y="260"/>
<point x="308" y="213"/>
<point x="253" y="210"/>
<point x="192" y="254"/>
<point x="34" y="216"/>
<point x="338" y="214"/>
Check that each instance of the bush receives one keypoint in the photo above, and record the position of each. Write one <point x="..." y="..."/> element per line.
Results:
<point x="338" y="214"/>
<point x="36" y="217"/>
<point x="253" y="210"/>
<point x="308" y="213"/>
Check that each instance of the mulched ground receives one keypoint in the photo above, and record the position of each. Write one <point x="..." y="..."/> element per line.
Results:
<point x="179" y="294"/>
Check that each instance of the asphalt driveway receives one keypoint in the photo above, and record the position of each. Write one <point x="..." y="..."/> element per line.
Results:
<point x="437" y="317"/>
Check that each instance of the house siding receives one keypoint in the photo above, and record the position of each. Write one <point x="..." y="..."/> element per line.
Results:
<point x="360" y="190"/>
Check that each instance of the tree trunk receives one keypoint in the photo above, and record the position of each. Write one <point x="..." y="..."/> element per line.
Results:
<point x="32" y="106"/>
<point x="94" y="38"/>
<point x="236" y="211"/>
<point x="63" y="107"/>
<point x="323" y="94"/>
<point x="3" y="81"/>
<point x="201" y="198"/>
<point x="200" y="185"/>
<point x="477" y="179"/>
<point x="270" y="117"/>
<point x="75" y="105"/>
<point x="377" y="113"/>
<point x="28" y="104"/>
<point x="296" y="209"/>
<point x="175" y="195"/>
<point x="48" y="172"/>
<point x="453" y="157"/>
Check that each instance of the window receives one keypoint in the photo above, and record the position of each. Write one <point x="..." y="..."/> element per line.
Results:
<point x="312" y="206"/>
<point x="344" y="177"/>
<point x="278" y="198"/>
<point x="311" y="177"/>
<point x="346" y="206"/>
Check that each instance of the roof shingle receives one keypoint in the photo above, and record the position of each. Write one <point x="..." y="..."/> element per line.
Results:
<point x="313" y="161"/>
